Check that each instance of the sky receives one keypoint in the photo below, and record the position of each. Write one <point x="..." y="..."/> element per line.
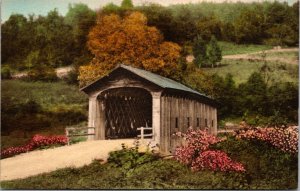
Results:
<point x="42" y="7"/>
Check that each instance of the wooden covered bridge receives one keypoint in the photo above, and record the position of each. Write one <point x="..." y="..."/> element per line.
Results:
<point x="129" y="98"/>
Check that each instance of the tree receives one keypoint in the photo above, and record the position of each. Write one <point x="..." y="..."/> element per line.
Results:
<point x="14" y="37"/>
<point x="160" y="17"/>
<point x="111" y="8"/>
<point x="214" y="52"/>
<point x="53" y="40"/>
<point x="129" y="41"/>
<point x="253" y="94"/>
<point x="184" y="26"/>
<point x="81" y="18"/>
<point x="209" y="26"/>
<point x="126" y="4"/>
<point x="249" y="26"/>
<point x="199" y="51"/>
<point x="282" y="24"/>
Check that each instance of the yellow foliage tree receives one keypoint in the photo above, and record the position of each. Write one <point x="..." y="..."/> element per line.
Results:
<point x="129" y="41"/>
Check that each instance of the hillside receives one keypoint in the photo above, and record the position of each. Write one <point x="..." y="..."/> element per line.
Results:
<point x="38" y="107"/>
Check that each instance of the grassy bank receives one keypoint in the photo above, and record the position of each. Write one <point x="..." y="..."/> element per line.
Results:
<point x="29" y="108"/>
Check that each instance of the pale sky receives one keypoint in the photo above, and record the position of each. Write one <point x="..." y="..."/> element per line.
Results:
<point x="42" y="7"/>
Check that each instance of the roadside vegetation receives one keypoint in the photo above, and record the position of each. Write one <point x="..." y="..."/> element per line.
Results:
<point x="266" y="167"/>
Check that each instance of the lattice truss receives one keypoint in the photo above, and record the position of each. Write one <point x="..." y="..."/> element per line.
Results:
<point x="126" y="109"/>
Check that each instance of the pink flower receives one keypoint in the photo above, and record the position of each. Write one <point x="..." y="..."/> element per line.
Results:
<point x="196" y="153"/>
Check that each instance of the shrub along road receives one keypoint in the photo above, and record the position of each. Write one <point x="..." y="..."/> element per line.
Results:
<point x="40" y="161"/>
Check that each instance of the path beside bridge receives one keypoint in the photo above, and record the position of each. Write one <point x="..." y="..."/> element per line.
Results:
<point x="41" y="161"/>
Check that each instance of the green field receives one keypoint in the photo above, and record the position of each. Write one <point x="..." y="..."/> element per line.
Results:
<point x="242" y="69"/>
<point x="30" y="108"/>
<point x="229" y="48"/>
<point x="47" y="94"/>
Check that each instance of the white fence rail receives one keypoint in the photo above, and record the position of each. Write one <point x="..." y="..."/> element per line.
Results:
<point x="75" y="132"/>
<point x="143" y="135"/>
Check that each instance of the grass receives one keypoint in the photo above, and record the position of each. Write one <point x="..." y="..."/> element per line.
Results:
<point x="266" y="168"/>
<point x="229" y="48"/>
<point x="46" y="94"/>
<point x="242" y="69"/>
<point x="38" y="108"/>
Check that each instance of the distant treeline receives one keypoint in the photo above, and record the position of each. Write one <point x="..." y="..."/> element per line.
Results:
<point x="55" y="40"/>
<point x="271" y="23"/>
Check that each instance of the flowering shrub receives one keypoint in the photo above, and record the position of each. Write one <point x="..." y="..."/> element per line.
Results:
<point x="195" y="142"/>
<point x="216" y="160"/>
<point x="40" y="140"/>
<point x="285" y="139"/>
<point x="196" y="153"/>
<point x="37" y="141"/>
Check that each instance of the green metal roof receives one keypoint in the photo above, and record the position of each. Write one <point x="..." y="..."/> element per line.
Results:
<point x="159" y="80"/>
<point x="154" y="78"/>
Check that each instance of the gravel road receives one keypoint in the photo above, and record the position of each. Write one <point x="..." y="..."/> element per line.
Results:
<point x="36" y="162"/>
<point x="256" y="56"/>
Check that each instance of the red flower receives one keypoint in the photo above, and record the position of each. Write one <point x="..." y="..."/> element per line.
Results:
<point x="37" y="141"/>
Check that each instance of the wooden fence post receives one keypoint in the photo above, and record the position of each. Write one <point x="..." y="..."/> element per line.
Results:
<point x="142" y="133"/>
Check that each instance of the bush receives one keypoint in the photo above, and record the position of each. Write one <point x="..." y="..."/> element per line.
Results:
<point x="5" y="72"/>
<point x="196" y="153"/>
<point x="67" y="114"/>
<point x="216" y="161"/>
<point x="267" y="167"/>
<point x="285" y="139"/>
<point x="72" y="77"/>
<point x="37" y="141"/>
<point x="129" y="158"/>
<point x="42" y="73"/>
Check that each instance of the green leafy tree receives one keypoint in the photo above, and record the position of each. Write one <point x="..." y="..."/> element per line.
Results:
<point x="160" y="17"/>
<point x="252" y="95"/>
<point x="249" y="26"/>
<point x="282" y="24"/>
<point x="214" y="52"/>
<point x="184" y="26"/>
<point x="81" y="19"/>
<point x="199" y="51"/>
<point x="126" y="4"/>
<point x="53" y="40"/>
<point x="209" y="26"/>
<point x="16" y="40"/>
<point x="110" y="8"/>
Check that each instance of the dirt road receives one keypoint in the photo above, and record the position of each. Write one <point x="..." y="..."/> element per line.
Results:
<point x="36" y="162"/>
<point x="60" y="72"/>
<point x="255" y="56"/>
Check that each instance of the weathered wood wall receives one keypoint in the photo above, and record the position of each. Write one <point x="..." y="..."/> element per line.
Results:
<point x="185" y="111"/>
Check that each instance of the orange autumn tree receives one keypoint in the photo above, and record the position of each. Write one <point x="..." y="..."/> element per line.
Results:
<point x="128" y="41"/>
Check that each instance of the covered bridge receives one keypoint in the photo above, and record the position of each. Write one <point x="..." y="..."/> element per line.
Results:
<point x="129" y="98"/>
